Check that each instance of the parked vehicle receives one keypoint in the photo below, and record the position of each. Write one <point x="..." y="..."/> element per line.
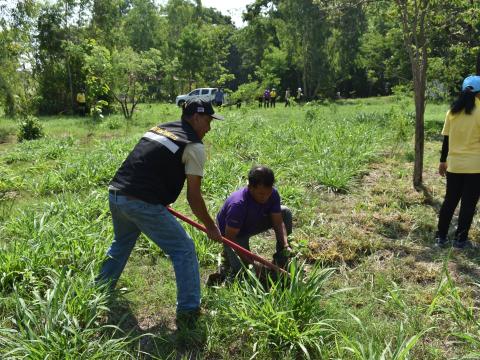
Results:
<point x="207" y="94"/>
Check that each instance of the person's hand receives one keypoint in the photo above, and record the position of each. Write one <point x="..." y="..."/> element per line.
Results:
<point x="214" y="233"/>
<point x="287" y="251"/>
<point x="442" y="168"/>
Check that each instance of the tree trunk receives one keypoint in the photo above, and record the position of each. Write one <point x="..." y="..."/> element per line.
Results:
<point x="70" y="86"/>
<point x="478" y="63"/>
<point x="413" y="26"/>
<point x="419" y="136"/>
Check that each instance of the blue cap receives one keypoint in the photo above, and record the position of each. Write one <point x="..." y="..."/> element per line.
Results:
<point x="473" y="82"/>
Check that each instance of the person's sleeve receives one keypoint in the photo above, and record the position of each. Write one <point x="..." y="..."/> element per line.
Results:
<point x="275" y="202"/>
<point x="444" y="154"/>
<point x="194" y="159"/>
<point x="446" y="125"/>
<point x="236" y="215"/>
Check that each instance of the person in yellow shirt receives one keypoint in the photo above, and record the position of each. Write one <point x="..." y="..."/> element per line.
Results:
<point x="81" y="102"/>
<point x="460" y="163"/>
<point x="273" y="97"/>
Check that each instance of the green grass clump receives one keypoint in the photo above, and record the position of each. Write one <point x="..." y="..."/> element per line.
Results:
<point x="286" y="318"/>
<point x="64" y="322"/>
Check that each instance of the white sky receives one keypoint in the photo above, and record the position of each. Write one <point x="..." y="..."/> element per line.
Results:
<point x="234" y="8"/>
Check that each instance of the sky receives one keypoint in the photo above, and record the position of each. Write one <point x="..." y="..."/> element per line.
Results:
<point x="233" y="8"/>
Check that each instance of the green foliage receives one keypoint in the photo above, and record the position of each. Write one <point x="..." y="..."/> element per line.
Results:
<point x="113" y="123"/>
<point x="29" y="129"/>
<point x="462" y="311"/>
<point x="400" y="350"/>
<point x="97" y="70"/>
<point x="247" y="92"/>
<point x="273" y="67"/>
<point x="130" y="73"/>
<point x="63" y="322"/>
<point x="286" y="316"/>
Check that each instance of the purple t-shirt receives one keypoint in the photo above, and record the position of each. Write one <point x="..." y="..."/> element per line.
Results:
<point x="240" y="211"/>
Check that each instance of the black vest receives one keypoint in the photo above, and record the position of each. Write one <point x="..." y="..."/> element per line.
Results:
<point x="153" y="171"/>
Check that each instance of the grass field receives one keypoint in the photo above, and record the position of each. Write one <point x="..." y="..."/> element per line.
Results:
<point x="374" y="286"/>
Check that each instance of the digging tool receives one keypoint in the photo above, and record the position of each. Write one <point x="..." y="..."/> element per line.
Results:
<point x="234" y="246"/>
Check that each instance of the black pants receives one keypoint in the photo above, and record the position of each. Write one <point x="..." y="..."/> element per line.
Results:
<point x="464" y="187"/>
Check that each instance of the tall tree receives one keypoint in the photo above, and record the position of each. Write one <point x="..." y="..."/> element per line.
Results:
<point x="140" y="24"/>
<point x="304" y="34"/>
<point x="414" y="15"/>
<point x="107" y="22"/>
<point x="16" y="82"/>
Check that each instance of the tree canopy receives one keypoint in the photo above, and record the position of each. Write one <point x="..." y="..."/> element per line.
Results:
<point x="143" y="51"/>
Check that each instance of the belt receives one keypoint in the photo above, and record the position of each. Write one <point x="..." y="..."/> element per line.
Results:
<point x="121" y="193"/>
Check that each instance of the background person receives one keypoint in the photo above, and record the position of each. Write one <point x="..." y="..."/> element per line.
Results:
<point x="266" y="98"/>
<point x="219" y="97"/>
<point x="260" y="99"/>
<point x="251" y="211"/>
<point x="273" y="97"/>
<point x="81" y="102"/>
<point x="460" y="162"/>
<point x="299" y="94"/>
<point x="151" y="178"/>
<point x="287" y="97"/>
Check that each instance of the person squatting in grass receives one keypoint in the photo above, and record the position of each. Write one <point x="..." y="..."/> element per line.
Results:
<point x="251" y="211"/>
<point x="460" y="163"/>
<point x="151" y="178"/>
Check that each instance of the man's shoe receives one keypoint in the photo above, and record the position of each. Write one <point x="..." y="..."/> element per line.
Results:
<point x="463" y="244"/>
<point x="441" y="241"/>
<point x="187" y="319"/>
<point x="216" y="279"/>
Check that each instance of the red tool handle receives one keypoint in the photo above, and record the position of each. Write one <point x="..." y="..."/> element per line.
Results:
<point x="230" y="243"/>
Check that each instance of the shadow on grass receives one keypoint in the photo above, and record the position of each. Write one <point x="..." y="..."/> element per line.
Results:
<point x="464" y="262"/>
<point x="159" y="341"/>
<point x="429" y="198"/>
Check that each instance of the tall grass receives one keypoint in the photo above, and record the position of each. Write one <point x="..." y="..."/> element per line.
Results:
<point x="55" y="228"/>
<point x="398" y="348"/>
<point x="67" y="232"/>
<point x="285" y="319"/>
<point x="64" y="322"/>
<point x="463" y="312"/>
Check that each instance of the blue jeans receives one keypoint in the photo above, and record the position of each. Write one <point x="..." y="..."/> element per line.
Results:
<point x="131" y="217"/>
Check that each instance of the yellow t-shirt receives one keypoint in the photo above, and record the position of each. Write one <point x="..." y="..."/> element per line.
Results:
<point x="81" y="98"/>
<point x="463" y="131"/>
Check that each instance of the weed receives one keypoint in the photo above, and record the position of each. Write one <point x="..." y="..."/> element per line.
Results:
<point x="29" y="129"/>
<point x="286" y="319"/>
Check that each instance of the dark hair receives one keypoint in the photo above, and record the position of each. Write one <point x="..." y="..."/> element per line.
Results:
<point x="465" y="100"/>
<point x="261" y="175"/>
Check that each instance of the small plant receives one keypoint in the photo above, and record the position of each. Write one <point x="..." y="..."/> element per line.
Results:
<point x="97" y="110"/>
<point x="113" y="123"/>
<point x="310" y="115"/>
<point x="395" y="350"/>
<point x="30" y="129"/>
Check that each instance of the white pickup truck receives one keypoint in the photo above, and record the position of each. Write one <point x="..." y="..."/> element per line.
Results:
<point x="207" y="94"/>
